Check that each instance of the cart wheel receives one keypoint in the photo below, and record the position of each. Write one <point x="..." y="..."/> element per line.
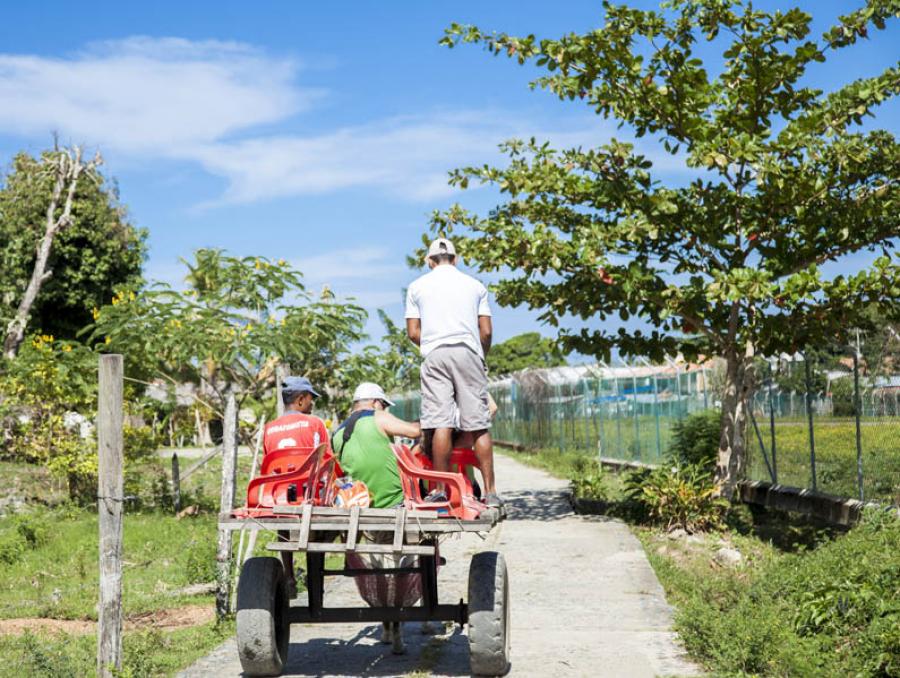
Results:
<point x="489" y="614"/>
<point x="263" y="630"/>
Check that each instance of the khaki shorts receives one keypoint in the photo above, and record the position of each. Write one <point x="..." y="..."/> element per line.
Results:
<point x="454" y="378"/>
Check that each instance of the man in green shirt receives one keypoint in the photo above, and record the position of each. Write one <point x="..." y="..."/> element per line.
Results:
<point x="363" y="444"/>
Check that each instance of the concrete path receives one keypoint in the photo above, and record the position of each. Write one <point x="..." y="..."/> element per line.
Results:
<point x="585" y="602"/>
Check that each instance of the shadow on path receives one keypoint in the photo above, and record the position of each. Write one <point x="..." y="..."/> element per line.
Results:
<point x="363" y="655"/>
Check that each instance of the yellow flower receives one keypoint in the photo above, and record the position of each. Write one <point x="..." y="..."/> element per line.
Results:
<point x="131" y="296"/>
<point x="67" y="349"/>
<point x="95" y="313"/>
<point x="107" y="340"/>
<point x="257" y="264"/>
<point x="281" y="262"/>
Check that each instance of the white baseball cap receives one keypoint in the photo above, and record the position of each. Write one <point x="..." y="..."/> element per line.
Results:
<point x="441" y="246"/>
<point x="370" y="391"/>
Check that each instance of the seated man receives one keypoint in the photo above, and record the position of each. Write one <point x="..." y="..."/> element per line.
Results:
<point x="363" y="444"/>
<point x="296" y="428"/>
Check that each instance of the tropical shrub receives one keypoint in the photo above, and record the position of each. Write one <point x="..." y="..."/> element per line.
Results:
<point x="677" y="497"/>
<point x="695" y="439"/>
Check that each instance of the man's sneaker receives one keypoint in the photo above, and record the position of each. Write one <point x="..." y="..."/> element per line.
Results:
<point x="435" y="496"/>
<point x="494" y="500"/>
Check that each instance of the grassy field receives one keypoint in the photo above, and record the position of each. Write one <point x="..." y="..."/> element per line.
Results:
<point x="633" y="439"/>
<point x="49" y="571"/>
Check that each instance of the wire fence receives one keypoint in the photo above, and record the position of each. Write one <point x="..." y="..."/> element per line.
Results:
<point x="829" y="420"/>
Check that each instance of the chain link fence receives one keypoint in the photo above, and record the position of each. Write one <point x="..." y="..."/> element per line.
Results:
<point x="828" y="420"/>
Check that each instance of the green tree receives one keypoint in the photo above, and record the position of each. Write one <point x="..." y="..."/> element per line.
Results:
<point x="237" y="319"/>
<point x="729" y="263"/>
<point x="92" y="250"/>
<point x="523" y="351"/>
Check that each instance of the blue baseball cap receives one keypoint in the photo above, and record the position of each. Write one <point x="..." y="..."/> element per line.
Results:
<point x="298" y="384"/>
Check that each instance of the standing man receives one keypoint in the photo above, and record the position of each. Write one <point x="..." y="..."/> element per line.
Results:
<point x="448" y="317"/>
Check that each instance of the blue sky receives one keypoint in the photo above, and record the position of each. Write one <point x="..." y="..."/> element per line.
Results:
<point x="317" y="132"/>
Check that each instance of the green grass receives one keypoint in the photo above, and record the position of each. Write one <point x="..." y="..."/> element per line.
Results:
<point x="49" y="568"/>
<point x="807" y="603"/>
<point x="835" y="440"/>
<point x="146" y="653"/>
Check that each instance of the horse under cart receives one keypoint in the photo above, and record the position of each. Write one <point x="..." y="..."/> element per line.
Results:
<point x="293" y="497"/>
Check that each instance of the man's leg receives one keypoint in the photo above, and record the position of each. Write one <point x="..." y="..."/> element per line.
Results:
<point x="441" y="447"/>
<point x="484" y="452"/>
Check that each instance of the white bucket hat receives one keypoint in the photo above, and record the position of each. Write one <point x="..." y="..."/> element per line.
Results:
<point x="370" y="391"/>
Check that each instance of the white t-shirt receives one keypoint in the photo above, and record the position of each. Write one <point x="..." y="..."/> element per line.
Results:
<point x="448" y="303"/>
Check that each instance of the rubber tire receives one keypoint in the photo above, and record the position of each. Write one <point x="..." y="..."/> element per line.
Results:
<point x="489" y="614"/>
<point x="263" y="632"/>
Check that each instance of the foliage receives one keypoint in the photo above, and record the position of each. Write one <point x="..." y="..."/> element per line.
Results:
<point x="783" y="180"/>
<point x="394" y="365"/>
<point x="236" y="320"/>
<point x="828" y="611"/>
<point x="522" y="352"/>
<point x="842" y="397"/>
<point x="678" y="497"/>
<point x="589" y="481"/>
<point x="695" y="439"/>
<point x="99" y="250"/>
<point x="48" y="383"/>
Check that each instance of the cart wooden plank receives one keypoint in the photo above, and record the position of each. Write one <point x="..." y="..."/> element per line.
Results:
<point x="353" y="529"/>
<point x="338" y="547"/>
<point x="305" y="521"/>
<point x="399" y="529"/>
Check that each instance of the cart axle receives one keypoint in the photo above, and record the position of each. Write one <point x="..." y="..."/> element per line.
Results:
<point x="454" y="613"/>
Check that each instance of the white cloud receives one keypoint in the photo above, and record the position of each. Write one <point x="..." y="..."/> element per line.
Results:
<point x="366" y="263"/>
<point x="205" y="102"/>
<point x="148" y="95"/>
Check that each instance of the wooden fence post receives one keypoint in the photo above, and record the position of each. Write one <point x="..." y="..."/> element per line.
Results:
<point x="226" y="504"/>
<point x="176" y="483"/>
<point x="280" y="373"/>
<point x="110" y="490"/>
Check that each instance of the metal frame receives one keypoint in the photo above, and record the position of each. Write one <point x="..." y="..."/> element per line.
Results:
<point x="312" y="530"/>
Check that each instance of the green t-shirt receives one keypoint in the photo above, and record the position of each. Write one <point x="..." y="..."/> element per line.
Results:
<point x="367" y="456"/>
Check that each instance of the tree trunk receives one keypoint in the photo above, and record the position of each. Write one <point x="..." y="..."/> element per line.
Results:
<point x="67" y="167"/>
<point x="732" y="461"/>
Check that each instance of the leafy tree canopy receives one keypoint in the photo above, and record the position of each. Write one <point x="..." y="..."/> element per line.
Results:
<point x="728" y="264"/>
<point x="99" y="250"/>
<point x="236" y="320"/>
<point x="523" y="351"/>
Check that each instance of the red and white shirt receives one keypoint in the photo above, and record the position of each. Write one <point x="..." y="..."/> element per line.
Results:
<point x="294" y="430"/>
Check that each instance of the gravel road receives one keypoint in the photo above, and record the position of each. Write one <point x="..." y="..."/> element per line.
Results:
<point x="584" y="602"/>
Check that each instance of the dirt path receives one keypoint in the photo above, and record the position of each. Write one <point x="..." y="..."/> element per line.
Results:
<point x="165" y="620"/>
<point x="585" y="602"/>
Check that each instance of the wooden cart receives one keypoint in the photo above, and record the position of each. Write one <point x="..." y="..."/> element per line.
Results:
<point x="264" y="612"/>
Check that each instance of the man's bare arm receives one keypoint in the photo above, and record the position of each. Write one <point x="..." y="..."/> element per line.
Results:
<point x="414" y="330"/>
<point x="393" y="426"/>
<point x="485" y="330"/>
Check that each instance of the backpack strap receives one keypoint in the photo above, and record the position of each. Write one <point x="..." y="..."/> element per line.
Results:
<point x="350" y="424"/>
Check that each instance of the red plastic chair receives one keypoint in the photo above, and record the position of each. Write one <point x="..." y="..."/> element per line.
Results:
<point x="461" y="502"/>
<point x="311" y="472"/>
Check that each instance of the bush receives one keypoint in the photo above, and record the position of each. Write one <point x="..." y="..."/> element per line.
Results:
<point x="589" y="481"/>
<point x="140" y="442"/>
<point x="829" y="611"/>
<point x="677" y="497"/>
<point x="695" y="440"/>
<point x="200" y="563"/>
<point x="24" y="532"/>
